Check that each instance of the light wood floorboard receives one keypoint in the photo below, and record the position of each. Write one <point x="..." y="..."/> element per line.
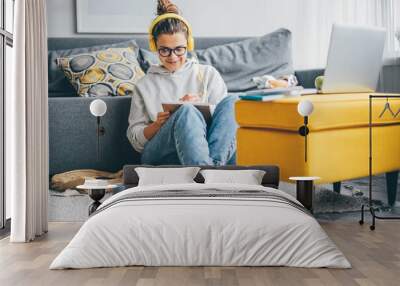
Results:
<point x="375" y="257"/>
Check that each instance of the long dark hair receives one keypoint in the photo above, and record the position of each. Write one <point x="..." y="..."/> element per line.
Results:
<point x="169" y="25"/>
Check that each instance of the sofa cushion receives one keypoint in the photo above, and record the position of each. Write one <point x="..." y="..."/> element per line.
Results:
<point x="239" y="62"/>
<point x="331" y="111"/>
<point x="108" y="72"/>
<point x="59" y="86"/>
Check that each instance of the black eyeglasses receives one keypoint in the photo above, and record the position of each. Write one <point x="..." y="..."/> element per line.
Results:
<point x="166" y="52"/>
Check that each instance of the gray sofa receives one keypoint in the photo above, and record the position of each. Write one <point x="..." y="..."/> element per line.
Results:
<point x="72" y="129"/>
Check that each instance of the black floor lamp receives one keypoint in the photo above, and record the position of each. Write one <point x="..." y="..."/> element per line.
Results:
<point x="98" y="108"/>
<point x="305" y="108"/>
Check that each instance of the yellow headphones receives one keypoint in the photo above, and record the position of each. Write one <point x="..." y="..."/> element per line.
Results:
<point x="152" y="42"/>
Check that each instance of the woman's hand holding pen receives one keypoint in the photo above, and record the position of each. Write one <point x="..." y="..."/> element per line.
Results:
<point x="162" y="117"/>
<point x="190" y="97"/>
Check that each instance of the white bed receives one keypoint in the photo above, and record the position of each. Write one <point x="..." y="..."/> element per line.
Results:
<point x="245" y="225"/>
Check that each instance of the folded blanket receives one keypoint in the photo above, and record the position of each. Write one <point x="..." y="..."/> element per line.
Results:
<point x="213" y="193"/>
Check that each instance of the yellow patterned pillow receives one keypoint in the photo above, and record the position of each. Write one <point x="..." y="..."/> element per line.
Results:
<point x="108" y="72"/>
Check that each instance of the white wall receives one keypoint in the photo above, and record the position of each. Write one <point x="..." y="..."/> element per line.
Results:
<point x="208" y="18"/>
<point x="309" y="20"/>
<point x="61" y="21"/>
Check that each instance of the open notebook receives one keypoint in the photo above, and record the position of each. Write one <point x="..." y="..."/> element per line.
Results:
<point x="204" y="108"/>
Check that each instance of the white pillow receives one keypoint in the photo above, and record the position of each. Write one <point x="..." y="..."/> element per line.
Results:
<point x="165" y="176"/>
<point x="249" y="177"/>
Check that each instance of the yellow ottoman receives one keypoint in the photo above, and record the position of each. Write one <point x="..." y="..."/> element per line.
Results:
<point x="338" y="142"/>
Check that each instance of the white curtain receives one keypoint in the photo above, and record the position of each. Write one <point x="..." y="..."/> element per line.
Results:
<point x="311" y="32"/>
<point x="27" y="124"/>
<point x="309" y="20"/>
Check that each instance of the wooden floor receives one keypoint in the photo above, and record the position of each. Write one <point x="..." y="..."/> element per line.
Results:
<point x="375" y="257"/>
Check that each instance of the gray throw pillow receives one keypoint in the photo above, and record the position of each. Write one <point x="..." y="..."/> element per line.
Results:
<point x="58" y="83"/>
<point x="239" y="62"/>
<point x="147" y="58"/>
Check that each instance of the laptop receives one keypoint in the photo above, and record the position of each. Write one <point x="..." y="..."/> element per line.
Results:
<point x="354" y="59"/>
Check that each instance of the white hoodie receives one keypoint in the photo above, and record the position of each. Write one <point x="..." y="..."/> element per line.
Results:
<point x="160" y="85"/>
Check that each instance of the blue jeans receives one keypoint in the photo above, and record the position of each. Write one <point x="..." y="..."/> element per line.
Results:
<point x="187" y="139"/>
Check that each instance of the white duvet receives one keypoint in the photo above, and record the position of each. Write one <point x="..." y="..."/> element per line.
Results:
<point x="183" y="231"/>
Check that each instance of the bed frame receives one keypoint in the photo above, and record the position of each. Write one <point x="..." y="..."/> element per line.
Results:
<point x="270" y="179"/>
